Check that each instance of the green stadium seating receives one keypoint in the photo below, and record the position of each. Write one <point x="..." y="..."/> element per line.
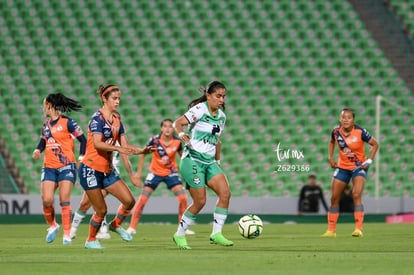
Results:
<point x="289" y="66"/>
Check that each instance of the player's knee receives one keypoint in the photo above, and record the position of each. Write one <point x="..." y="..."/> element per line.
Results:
<point x="47" y="202"/>
<point x="356" y="195"/>
<point x="101" y="212"/>
<point x="199" y="203"/>
<point x="129" y="204"/>
<point x="334" y="201"/>
<point x="225" y="196"/>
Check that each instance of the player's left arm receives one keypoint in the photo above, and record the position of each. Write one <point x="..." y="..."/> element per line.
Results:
<point x="77" y="132"/>
<point x="218" y="149"/>
<point x="123" y="141"/>
<point x="374" y="148"/>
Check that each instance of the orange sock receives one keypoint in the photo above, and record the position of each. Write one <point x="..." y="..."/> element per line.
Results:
<point x="94" y="226"/>
<point x="120" y="217"/>
<point x="182" y="205"/>
<point x="66" y="217"/>
<point x="359" y="216"/>
<point x="333" y="216"/>
<point x="139" y="207"/>
<point x="49" y="213"/>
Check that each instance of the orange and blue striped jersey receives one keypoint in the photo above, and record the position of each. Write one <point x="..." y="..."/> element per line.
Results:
<point x="110" y="132"/>
<point x="351" y="147"/>
<point x="163" y="160"/>
<point x="59" y="138"/>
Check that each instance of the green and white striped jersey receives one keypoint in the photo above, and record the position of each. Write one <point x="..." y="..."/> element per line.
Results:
<point x="205" y="131"/>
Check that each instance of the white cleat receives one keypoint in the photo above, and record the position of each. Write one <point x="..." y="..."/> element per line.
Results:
<point x="51" y="233"/>
<point x="189" y="232"/>
<point x="72" y="233"/>
<point x="131" y="231"/>
<point x="67" y="240"/>
<point x="103" y="236"/>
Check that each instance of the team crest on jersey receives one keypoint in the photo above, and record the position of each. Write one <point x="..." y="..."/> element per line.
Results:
<point x="115" y="129"/>
<point x="354" y="139"/>
<point x="221" y="121"/>
<point x="174" y="149"/>
<point x="59" y="128"/>
<point x="196" y="180"/>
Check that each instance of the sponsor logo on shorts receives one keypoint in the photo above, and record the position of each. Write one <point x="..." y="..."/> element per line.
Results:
<point x="196" y="180"/>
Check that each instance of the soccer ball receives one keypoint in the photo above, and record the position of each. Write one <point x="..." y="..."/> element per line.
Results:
<point x="250" y="226"/>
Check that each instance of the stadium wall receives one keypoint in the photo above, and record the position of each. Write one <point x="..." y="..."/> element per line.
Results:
<point x="32" y="205"/>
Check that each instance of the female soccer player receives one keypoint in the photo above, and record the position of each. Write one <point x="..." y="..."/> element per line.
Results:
<point x="85" y="204"/>
<point x="352" y="164"/>
<point x="163" y="168"/>
<point x="59" y="166"/>
<point x="96" y="171"/>
<point x="200" y="164"/>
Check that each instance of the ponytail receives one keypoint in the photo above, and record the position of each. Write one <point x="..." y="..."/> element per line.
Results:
<point x="62" y="103"/>
<point x="209" y="89"/>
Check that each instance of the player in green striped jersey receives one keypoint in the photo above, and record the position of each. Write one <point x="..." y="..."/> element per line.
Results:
<point x="200" y="164"/>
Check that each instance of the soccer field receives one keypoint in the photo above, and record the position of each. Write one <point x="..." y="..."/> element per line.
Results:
<point x="282" y="248"/>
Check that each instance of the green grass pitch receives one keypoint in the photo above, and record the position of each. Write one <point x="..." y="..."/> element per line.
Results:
<point x="281" y="249"/>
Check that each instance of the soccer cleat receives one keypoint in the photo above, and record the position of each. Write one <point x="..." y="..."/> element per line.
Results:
<point x="357" y="233"/>
<point x="73" y="233"/>
<point x="122" y="232"/>
<point x="103" y="236"/>
<point x="51" y="233"/>
<point x="189" y="232"/>
<point x="218" y="238"/>
<point x="131" y="231"/>
<point x="67" y="240"/>
<point x="181" y="242"/>
<point x="93" y="245"/>
<point x="329" y="234"/>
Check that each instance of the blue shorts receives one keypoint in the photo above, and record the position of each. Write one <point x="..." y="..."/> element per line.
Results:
<point x="67" y="172"/>
<point x="347" y="175"/>
<point x="91" y="179"/>
<point x="152" y="181"/>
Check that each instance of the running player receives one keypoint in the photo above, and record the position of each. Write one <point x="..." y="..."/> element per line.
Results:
<point x="200" y="163"/>
<point x="163" y="168"/>
<point x="352" y="164"/>
<point x="96" y="171"/>
<point x="85" y="204"/>
<point x="59" y="166"/>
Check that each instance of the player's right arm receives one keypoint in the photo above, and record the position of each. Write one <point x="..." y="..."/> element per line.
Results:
<point x="99" y="144"/>
<point x="178" y="126"/>
<point x="331" y="150"/>
<point x="40" y="146"/>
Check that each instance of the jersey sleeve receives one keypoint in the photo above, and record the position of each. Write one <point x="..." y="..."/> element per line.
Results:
<point x="365" y="135"/>
<point x="194" y="114"/>
<point x="336" y="128"/>
<point x="121" y="129"/>
<point x="74" y="128"/>
<point x="333" y="134"/>
<point x="96" y="125"/>
<point x="42" y="134"/>
<point x="150" y="141"/>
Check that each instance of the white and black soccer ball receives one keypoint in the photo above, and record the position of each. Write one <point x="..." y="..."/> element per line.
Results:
<point x="250" y="226"/>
